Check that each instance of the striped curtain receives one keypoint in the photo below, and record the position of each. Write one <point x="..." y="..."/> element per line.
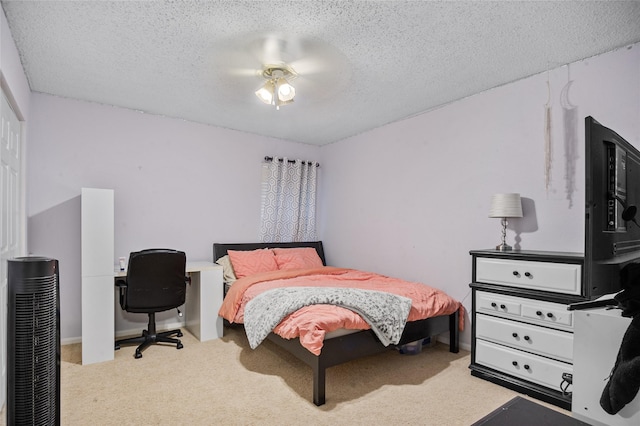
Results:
<point x="288" y="211"/>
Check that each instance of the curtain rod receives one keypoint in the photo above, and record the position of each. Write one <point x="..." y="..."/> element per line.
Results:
<point x="268" y="159"/>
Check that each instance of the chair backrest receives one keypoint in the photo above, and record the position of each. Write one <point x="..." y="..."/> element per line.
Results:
<point x="156" y="280"/>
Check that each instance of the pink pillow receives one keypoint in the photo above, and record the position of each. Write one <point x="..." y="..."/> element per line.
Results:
<point x="297" y="258"/>
<point x="251" y="262"/>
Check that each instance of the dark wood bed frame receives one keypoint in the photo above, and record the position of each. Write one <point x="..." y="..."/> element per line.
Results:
<point x="339" y="350"/>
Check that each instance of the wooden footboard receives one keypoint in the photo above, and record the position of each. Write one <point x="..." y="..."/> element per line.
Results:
<point x="346" y="348"/>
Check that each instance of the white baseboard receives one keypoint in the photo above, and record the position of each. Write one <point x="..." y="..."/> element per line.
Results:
<point x="124" y="333"/>
<point x="461" y="345"/>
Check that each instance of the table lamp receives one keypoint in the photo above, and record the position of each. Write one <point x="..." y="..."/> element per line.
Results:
<point x="505" y="206"/>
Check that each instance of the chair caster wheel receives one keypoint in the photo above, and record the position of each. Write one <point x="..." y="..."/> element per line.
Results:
<point x="179" y="346"/>
<point x="138" y="354"/>
<point x="179" y="334"/>
<point x="117" y="347"/>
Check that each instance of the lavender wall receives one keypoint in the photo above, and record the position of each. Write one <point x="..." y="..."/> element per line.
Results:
<point x="177" y="184"/>
<point x="410" y="199"/>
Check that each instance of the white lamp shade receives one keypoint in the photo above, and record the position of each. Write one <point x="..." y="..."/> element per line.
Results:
<point x="265" y="93"/>
<point x="286" y="92"/>
<point x="506" y="205"/>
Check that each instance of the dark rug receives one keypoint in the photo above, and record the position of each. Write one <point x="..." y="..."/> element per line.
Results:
<point x="522" y="412"/>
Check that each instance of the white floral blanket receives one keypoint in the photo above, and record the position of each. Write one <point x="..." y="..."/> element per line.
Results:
<point x="386" y="313"/>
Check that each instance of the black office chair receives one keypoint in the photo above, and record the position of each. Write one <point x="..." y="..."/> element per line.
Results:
<point x="156" y="281"/>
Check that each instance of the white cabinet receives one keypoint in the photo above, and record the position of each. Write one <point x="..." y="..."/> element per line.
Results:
<point x="97" y="241"/>
<point x="598" y="335"/>
<point x="522" y="332"/>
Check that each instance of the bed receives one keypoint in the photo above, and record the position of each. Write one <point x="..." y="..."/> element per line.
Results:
<point x="337" y="347"/>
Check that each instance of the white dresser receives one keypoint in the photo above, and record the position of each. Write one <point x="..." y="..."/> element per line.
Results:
<point x="522" y="332"/>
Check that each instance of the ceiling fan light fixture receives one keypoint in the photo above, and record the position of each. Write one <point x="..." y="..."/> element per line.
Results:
<point x="281" y="103"/>
<point x="277" y="90"/>
<point x="286" y="92"/>
<point x="265" y="93"/>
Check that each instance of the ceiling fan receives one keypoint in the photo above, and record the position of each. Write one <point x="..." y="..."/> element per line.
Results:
<point x="277" y="68"/>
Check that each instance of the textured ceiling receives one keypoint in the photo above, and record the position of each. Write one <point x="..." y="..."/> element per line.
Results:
<point x="361" y="64"/>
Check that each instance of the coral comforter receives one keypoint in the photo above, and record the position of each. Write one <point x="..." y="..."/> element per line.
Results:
<point x="311" y="323"/>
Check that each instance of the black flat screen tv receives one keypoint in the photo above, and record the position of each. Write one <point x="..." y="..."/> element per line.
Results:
<point x="612" y="233"/>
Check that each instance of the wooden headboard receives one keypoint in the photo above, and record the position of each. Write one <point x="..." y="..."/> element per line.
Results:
<point x="220" y="249"/>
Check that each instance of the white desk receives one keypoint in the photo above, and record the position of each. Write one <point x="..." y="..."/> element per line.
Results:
<point x="203" y="300"/>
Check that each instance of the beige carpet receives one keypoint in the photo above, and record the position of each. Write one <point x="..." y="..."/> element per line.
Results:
<point x="225" y="382"/>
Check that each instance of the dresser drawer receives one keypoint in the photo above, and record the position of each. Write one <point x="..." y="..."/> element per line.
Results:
<point x="503" y="305"/>
<point x="537" y="312"/>
<point x="536" y="369"/>
<point x="550" y="314"/>
<point x="547" y="276"/>
<point x="539" y="340"/>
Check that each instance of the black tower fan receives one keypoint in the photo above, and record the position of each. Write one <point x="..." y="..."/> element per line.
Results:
<point x="33" y="342"/>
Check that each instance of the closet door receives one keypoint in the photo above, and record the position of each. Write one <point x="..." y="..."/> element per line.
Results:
<point x="11" y="218"/>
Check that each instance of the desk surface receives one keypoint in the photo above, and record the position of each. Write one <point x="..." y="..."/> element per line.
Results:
<point x="197" y="266"/>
